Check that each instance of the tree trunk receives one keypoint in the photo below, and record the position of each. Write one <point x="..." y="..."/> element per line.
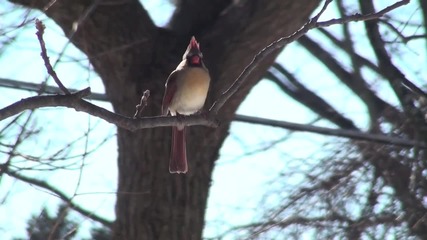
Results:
<point x="131" y="54"/>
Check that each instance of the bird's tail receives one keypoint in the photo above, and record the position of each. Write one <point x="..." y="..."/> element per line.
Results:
<point x="178" y="158"/>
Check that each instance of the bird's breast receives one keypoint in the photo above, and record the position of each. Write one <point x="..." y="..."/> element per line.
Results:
<point x="192" y="89"/>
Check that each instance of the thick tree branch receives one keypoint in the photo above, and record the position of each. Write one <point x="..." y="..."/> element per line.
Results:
<point x="358" y="86"/>
<point x="360" y="60"/>
<point x="396" y="78"/>
<point x="376" y="106"/>
<point x="74" y="101"/>
<point x="389" y="167"/>
<point x="56" y="192"/>
<point x="406" y="92"/>
<point x="289" y="84"/>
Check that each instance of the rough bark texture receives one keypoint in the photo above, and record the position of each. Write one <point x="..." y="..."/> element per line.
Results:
<point x="131" y="54"/>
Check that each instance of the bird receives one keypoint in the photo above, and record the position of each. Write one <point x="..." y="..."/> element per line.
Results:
<point x="186" y="90"/>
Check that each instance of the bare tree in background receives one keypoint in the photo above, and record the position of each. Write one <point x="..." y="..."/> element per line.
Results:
<point x="363" y="190"/>
<point x="131" y="54"/>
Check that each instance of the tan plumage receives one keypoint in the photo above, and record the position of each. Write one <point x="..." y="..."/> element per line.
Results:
<point x="186" y="91"/>
<point x="192" y="85"/>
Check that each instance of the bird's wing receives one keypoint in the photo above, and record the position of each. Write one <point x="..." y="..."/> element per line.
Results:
<point x="170" y="89"/>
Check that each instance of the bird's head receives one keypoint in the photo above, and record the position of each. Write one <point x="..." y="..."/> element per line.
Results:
<point x="193" y="55"/>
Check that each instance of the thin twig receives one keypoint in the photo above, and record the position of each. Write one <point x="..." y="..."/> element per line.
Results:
<point x="142" y="104"/>
<point x="362" y="17"/>
<point x="40" y="31"/>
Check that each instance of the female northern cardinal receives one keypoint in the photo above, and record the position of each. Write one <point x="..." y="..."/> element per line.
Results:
<point x="186" y="90"/>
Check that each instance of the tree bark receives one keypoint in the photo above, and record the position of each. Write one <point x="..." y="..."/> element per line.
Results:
<point x="131" y="54"/>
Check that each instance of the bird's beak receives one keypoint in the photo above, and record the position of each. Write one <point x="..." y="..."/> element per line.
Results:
<point x="194" y="44"/>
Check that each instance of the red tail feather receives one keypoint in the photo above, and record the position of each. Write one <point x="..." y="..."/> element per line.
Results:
<point x="178" y="158"/>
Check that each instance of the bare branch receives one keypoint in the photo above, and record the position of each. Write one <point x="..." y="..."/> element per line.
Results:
<point x="359" y="86"/>
<point x="356" y="135"/>
<point x="404" y="39"/>
<point x="142" y="104"/>
<point x="400" y="84"/>
<point x="40" y="30"/>
<point x="362" y="17"/>
<point x="359" y="60"/>
<point x="56" y="192"/>
<point x="289" y="84"/>
<point x="74" y="101"/>
<point x="35" y="87"/>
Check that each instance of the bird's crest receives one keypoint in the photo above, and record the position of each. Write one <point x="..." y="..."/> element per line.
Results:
<point x="194" y="43"/>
